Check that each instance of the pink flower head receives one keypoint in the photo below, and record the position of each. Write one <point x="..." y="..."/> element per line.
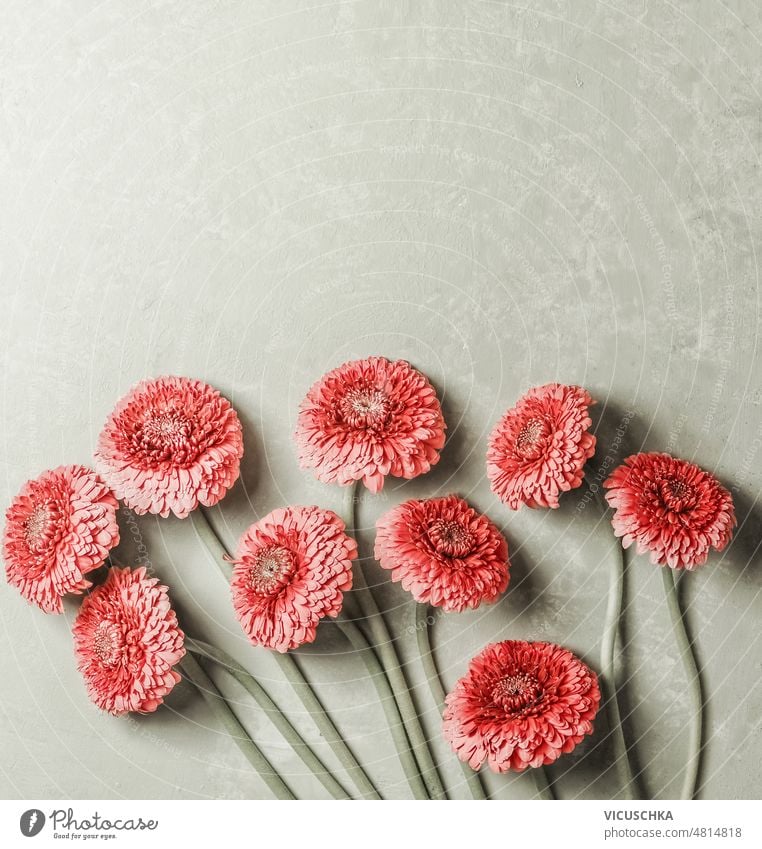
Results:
<point x="58" y="528"/>
<point x="126" y="641"/>
<point x="169" y="445"/>
<point x="443" y="552"/>
<point x="368" y="419"/>
<point x="519" y="705"/>
<point x="291" y="570"/>
<point x="670" y="508"/>
<point x="539" y="447"/>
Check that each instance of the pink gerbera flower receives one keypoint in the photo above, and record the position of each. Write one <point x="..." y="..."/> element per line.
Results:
<point x="670" y="508"/>
<point x="539" y="447"/>
<point x="368" y="419"/>
<point x="291" y="570"/>
<point x="443" y="552"/>
<point x="171" y="444"/>
<point x="58" y="528"/>
<point x="519" y="705"/>
<point x="127" y="642"/>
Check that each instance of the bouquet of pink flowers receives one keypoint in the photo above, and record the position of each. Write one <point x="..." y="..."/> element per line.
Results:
<point x="174" y="445"/>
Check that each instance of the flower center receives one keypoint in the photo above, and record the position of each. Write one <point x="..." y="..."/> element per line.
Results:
<point x="36" y="524"/>
<point x="41" y="526"/>
<point x="166" y="430"/>
<point x="450" y="538"/>
<point x="365" y="407"/>
<point x="531" y="439"/>
<point x="107" y="643"/>
<point x="677" y="495"/>
<point x="517" y="692"/>
<point x="270" y="569"/>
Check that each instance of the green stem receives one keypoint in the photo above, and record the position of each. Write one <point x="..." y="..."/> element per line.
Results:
<point x="274" y="714"/>
<point x="214" y="545"/>
<point x="437" y="690"/>
<point x="611" y="627"/>
<point x="608" y="654"/>
<point x="325" y="726"/>
<point x="295" y="678"/>
<point x="390" y="663"/>
<point x="391" y="708"/>
<point x="543" y="784"/>
<point x="229" y="721"/>
<point x="695" y="727"/>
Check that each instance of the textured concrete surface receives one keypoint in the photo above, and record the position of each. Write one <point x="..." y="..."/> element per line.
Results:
<point x="505" y="194"/>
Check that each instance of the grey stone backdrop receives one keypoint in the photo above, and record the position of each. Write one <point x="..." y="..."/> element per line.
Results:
<point x="504" y="194"/>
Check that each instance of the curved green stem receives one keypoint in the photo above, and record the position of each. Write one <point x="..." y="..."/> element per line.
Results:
<point x="229" y="721"/>
<point x="543" y="784"/>
<point x="274" y="714"/>
<point x="390" y="663"/>
<point x="608" y="656"/>
<point x="696" y="724"/>
<point x="295" y="677"/>
<point x="388" y="703"/>
<point x="437" y="690"/>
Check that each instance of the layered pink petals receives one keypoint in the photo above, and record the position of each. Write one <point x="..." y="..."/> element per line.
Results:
<point x="291" y="569"/>
<point x="127" y="642"/>
<point x="171" y="444"/>
<point x="670" y="508"/>
<point x="520" y="705"/>
<point x="368" y="419"/>
<point x="61" y="526"/>
<point x="540" y="446"/>
<point x="443" y="552"/>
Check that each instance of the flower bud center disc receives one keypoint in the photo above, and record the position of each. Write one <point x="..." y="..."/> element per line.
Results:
<point x="516" y="692"/>
<point x="166" y="435"/>
<point x="107" y="642"/>
<point x="365" y="407"/>
<point x="450" y="538"/>
<point x="677" y="495"/>
<point x="271" y="569"/>
<point x="531" y="439"/>
<point x="40" y="526"/>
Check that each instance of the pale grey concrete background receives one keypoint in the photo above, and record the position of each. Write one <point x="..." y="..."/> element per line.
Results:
<point x="505" y="194"/>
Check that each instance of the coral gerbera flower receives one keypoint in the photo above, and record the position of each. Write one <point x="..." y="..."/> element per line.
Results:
<point x="539" y="447"/>
<point x="670" y="508"/>
<point x="169" y="445"/>
<point x="443" y="552"/>
<point x="127" y="642"/>
<point x="519" y="705"/>
<point x="61" y="526"/>
<point x="291" y="569"/>
<point x="368" y="419"/>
